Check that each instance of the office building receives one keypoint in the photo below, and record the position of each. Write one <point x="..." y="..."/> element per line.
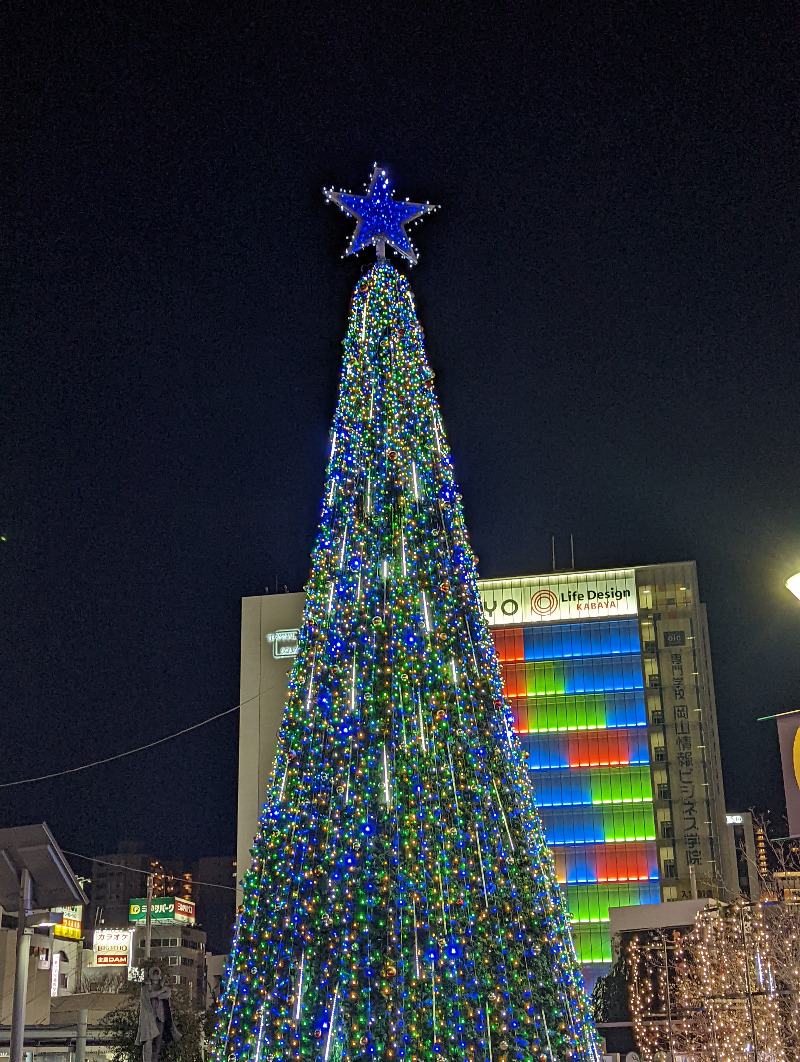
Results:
<point x="117" y="877"/>
<point x="180" y="949"/>
<point x="215" y="896"/>
<point x="743" y="840"/>
<point x="608" y="674"/>
<point x="270" y="629"/>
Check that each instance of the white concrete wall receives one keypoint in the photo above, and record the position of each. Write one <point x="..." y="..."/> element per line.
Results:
<point x="262" y="694"/>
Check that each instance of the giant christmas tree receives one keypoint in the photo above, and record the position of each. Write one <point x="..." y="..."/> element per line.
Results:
<point x="402" y="903"/>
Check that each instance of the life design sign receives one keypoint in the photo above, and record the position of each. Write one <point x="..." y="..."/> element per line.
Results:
<point x="562" y="596"/>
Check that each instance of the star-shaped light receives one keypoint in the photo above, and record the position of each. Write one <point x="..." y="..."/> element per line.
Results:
<point x="381" y="218"/>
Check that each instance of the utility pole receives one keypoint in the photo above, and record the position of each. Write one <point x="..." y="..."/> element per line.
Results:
<point x="148" y="924"/>
<point x="24" y="933"/>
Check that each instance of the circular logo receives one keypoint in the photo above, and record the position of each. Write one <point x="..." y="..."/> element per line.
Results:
<point x="544" y="602"/>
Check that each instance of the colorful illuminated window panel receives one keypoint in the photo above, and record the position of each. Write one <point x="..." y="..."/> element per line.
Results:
<point x="601" y="748"/>
<point x="577" y="696"/>
<point x="591" y="711"/>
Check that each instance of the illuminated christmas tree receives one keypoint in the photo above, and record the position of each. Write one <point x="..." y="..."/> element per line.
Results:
<point x="402" y="903"/>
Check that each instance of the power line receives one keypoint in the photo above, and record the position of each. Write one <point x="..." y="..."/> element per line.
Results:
<point x="130" y="752"/>
<point x="147" y="873"/>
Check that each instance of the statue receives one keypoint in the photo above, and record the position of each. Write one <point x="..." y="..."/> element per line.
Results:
<point x="156" y="1027"/>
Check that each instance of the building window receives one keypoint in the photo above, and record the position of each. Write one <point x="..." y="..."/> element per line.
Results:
<point x="659" y="748"/>
<point x="669" y="868"/>
<point x="662" y="791"/>
<point x="667" y="832"/>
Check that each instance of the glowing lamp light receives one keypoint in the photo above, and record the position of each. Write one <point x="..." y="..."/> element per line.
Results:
<point x="793" y="584"/>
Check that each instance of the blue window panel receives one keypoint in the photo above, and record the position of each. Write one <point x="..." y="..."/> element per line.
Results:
<point x="568" y="789"/>
<point x="603" y="675"/>
<point x="571" y="640"/>
<point x="580" y="868"/>
<point x="576" y="827"/>
<point x="626" y="709"/>
<point x="545" y="754"/>
<point x="639" y="749"/>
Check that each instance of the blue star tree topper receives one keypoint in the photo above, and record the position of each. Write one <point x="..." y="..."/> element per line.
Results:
<point x="381" y="218"/>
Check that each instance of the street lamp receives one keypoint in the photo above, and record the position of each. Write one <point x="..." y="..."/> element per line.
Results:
<point x="793" y="584"/>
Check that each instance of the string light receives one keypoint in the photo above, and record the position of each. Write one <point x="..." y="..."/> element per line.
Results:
<point x="402" y="903"/>
<point x="726" y="988"/>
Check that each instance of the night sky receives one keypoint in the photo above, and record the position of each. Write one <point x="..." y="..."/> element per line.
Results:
<point x="610" y="301"/>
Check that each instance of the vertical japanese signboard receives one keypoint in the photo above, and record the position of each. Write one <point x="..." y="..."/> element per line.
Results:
<point x="686" y="751"/>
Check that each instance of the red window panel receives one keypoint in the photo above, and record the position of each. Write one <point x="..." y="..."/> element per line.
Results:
<point x="599" y="748"/>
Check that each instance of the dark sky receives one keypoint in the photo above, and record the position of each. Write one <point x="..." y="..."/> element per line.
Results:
<point x="610" y="299"/>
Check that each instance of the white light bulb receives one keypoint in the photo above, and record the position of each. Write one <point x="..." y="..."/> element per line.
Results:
<point x="793" y="584"/>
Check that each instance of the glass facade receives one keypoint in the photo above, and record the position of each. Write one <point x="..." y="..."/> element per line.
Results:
<point x="577" y="692"/>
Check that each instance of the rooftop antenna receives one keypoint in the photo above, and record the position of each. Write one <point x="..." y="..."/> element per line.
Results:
<point x="553" y="550"/>
<point x="572" y="550"/>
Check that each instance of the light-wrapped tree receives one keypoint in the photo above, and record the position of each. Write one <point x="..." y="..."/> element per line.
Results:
<point x="402" y="903"/>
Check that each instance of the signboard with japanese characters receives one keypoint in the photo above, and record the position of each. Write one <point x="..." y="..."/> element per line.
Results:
<point x="686" y="754"/>
<point x="70" y="927"/>
<point x="112" y="947"/>
<point x="170" y="909"/>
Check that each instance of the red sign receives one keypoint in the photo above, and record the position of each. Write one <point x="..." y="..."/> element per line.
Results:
<point x="184" y="910"/>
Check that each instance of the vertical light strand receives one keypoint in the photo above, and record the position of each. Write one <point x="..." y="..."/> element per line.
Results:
<point x="332" y="1021"/>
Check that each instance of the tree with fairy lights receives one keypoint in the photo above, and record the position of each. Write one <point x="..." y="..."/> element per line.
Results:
<point x="722" y="990"/>
<point x="401" y="903"/>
